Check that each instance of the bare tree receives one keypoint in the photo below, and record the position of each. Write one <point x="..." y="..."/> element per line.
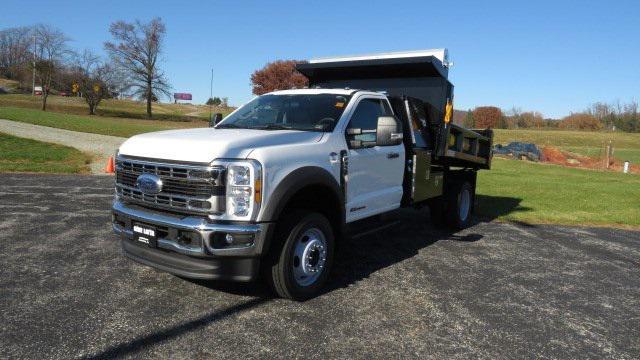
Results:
<point x="51" y="51"/>
<point x="137" y="50"/>
<point x="94" y="79"/>
<point x="15" y="51"/>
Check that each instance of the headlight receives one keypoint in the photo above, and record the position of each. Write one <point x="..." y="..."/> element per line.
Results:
<point x="243" y="189"/>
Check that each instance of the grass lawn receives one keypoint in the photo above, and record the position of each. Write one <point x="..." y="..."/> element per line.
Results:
<point x="632" y="155"/>
<point x="527" y="192"/>
<point x="589" y="143"/>
<point x="93" y="124"/>
<point x="25" y="155"/>
<point x="113" y="107"/>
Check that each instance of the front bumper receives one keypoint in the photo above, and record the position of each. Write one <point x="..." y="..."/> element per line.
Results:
<point x="201" y="257"/>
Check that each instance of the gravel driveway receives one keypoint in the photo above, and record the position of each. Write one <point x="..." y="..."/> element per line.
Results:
<point x="100" y="146"/>
<point x="492" y="291"/>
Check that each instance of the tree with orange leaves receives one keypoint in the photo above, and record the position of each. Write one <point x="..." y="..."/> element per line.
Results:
<point x="278" y="75"/>
<point x="487" y="116"/>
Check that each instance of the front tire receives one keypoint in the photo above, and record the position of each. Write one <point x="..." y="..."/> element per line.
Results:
<point x="300" y="264"/>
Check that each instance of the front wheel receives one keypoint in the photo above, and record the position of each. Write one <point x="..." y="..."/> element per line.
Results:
<point x="301" y="263"/>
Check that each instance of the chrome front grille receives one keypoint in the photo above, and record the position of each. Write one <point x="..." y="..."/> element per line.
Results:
<point x="186" y="188"/>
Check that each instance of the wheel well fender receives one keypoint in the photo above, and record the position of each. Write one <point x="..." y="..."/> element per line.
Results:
<point x="302" y="181"/>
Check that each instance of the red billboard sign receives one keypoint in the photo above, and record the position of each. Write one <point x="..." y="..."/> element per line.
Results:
<point x="182" y="96"/>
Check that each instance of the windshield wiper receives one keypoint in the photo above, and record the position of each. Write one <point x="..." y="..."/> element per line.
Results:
<point x="274" y="127"/>
<point x="282" y="127"/>
<point x="230" y="126"/>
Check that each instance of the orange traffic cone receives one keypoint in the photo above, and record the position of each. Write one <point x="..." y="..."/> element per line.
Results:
<point x="110" y="169"/>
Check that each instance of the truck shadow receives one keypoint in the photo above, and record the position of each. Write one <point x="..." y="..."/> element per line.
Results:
<point x="357" y="259"/>
<point x="360" y="257"/>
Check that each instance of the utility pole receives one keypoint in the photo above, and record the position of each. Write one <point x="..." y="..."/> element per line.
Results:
<point x="33" y="85"/>
<point x="211" y="94"/>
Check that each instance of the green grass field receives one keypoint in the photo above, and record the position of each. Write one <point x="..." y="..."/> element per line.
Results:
<point x="113" y="107"/>
<point x="25" y="155"/>
<point x="93" y="124"/>
<point x="589" y="143"/>
<point x="527" y="192"/>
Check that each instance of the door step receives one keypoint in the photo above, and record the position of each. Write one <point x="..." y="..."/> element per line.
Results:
<point x="371" y="225"/>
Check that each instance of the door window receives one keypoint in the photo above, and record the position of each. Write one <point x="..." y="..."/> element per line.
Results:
<point x="365" y="117"/>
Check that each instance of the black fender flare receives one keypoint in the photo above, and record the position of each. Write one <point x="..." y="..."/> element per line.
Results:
<point x="294" y="182"/>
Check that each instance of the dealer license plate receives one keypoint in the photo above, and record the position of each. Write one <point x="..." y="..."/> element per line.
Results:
<point x="144" y="234"/>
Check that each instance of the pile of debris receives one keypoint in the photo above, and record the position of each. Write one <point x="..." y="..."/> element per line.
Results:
<point x="553" y="155"/>
<point x="519" y="151"/>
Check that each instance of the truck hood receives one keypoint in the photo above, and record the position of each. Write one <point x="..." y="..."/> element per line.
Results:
<point x="203" y="145"/>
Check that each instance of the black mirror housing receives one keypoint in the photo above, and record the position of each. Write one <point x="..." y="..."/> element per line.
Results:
<point x="388" y="131"/>
<point x="217" y="117"/>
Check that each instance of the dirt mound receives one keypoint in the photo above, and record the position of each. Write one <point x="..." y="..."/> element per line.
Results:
<point x="553" y="155"/>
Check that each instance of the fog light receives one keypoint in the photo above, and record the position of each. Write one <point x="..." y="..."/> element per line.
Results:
<point x="229" y="239"/>
<point x="222" y="240"/>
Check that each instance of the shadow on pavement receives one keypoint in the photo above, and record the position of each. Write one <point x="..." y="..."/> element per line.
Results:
<point x="140" y="343"/>
<point x="357" y="259"/>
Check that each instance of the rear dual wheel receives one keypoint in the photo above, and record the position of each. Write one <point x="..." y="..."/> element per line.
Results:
<point x="454" y="208"/>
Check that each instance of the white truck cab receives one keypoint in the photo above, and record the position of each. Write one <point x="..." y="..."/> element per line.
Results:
<point x="276" y="185"/>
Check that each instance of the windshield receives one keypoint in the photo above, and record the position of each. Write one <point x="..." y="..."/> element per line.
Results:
<point x="318" y="112"/>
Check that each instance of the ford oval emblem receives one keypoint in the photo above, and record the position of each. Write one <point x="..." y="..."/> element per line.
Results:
<point x="149" y="184"/>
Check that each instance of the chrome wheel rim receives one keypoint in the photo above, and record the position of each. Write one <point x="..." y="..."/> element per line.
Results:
<point x="465" y="203"/>
<point x="309" y="256"/>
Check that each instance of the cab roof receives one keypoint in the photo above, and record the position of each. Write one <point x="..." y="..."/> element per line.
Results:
<point x="313" y="91"/>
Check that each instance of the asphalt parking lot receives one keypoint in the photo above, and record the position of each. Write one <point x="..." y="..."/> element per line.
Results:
<point x="492" y="291"/>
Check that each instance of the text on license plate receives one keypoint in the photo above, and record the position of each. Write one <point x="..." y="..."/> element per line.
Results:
<point x="144" y="231"/>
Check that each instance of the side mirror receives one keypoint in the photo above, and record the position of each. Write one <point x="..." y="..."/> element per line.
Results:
<point x="388" y="131"/>
<point x="217" y="117"/>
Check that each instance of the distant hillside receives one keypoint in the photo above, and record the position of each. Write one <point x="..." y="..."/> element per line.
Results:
<point x="115" y="107"/>
<point x="8" y="86"/>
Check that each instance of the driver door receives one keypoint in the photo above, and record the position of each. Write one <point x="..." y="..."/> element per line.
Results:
<point x="375" y="173"/>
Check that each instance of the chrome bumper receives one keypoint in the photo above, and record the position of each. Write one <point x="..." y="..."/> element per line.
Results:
<point x="124" y="216"/>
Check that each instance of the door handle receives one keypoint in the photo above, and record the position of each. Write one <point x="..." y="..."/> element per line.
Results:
<point x="393" y="155"/>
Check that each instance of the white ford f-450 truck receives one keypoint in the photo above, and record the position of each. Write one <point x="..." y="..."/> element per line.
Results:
<point x="273" y="188"/>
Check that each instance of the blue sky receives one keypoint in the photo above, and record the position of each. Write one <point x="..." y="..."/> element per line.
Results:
<point x="551" y="56"/>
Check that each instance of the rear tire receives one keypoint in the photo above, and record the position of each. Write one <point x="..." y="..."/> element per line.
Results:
<point x="459" y="205"/>
<point x="301" y="260"/>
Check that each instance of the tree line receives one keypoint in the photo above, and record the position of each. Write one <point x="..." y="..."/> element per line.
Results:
<point x="132" y="65"/>
<point x="599" y="116"/>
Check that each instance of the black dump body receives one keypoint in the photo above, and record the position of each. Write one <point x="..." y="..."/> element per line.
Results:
<point x="419" y="90"/>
